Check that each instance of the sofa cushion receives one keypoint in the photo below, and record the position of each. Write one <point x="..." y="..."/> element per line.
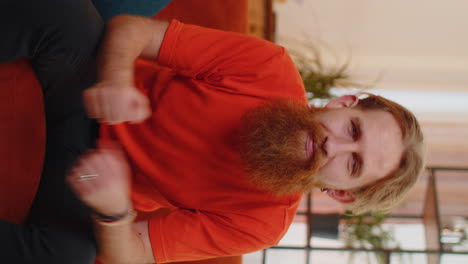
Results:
<point x="225" y="15"/>
<point x="22" y="139"/>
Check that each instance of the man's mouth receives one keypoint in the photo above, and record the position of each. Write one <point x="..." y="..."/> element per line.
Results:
<point x="309" y="147"/>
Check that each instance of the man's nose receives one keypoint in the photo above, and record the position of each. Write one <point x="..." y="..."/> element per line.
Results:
<point x="334" y="146"/>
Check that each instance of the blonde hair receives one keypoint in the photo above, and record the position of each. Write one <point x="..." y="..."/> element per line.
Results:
<point x="386" y="193"/>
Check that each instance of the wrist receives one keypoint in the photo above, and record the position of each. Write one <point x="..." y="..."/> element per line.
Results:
<point x="110" y="220"/>
<point x="111" y="217"/>
<point x="118" y="208"/>
<point x="116" y="81"/>
<point x="121" y="71"/>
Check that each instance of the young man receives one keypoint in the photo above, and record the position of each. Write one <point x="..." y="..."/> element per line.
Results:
<point x="217" y="143"/>
<point x="226" y="147"/>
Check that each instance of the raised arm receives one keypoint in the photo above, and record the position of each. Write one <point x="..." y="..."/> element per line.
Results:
<point x="114" y="98"/>
<point x="128" y="38"/>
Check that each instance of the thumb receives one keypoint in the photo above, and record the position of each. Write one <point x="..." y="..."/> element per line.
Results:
<point x="142" y="109"/>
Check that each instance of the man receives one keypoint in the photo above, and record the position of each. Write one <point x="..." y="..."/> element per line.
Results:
<point x="220" y="144"/>
<point x="209" y="152"/>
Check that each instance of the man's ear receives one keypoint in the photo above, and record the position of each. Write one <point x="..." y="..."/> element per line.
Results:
<point x="343" y="101"/>
<point x="342" y="196"/>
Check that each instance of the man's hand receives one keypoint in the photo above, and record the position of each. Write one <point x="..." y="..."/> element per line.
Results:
<point x="101" y="180"/>
<point x="113" y="102"/>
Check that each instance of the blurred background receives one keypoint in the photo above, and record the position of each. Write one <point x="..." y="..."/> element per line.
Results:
<point x="414" y="52"/>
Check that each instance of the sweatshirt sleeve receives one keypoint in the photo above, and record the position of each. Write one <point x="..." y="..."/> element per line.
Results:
<point x="230" y="61"/>
<point x="188" y="235"/>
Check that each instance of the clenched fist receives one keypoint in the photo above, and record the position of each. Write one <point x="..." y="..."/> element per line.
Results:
<point x="114" y="102"/>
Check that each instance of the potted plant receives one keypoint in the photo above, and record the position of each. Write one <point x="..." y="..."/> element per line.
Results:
<point x="320" y="78"/>
<point x="367" y="232"/>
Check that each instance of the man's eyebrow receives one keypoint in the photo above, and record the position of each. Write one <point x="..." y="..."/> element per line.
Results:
<point x="357" y="122"/>
<point x="359" y="158"/>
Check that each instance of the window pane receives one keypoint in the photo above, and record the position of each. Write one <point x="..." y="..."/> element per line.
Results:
<point x="394" y="232"/>
<point x="297" y="233"/>
<point x="453" y="259"/>
<point x="345" y="257"/>
<point x="253" y="258"/>
<point x="281" y="256"/>
<point x="408" y="234"/>
<point x="411" y="258"/>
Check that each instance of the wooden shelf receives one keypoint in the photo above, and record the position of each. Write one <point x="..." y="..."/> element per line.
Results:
<point x="261" y="19"/>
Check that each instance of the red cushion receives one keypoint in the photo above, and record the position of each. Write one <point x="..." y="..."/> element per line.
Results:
<point x="22" y="139"/>
<point x="230" y="15"/>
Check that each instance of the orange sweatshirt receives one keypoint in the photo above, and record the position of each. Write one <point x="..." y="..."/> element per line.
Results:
<point x="185" y="156"/>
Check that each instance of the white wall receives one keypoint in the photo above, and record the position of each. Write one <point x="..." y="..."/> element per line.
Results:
<point x="417" y="44"/>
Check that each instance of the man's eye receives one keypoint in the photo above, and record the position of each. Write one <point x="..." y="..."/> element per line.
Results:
<point x="355" y="165"/>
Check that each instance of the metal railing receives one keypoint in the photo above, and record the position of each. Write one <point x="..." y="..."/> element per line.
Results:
<point x="434" y="256"/>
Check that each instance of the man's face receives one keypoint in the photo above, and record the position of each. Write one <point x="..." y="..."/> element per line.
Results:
<point x="291" y="147"/>
<point x="360" y="147"/>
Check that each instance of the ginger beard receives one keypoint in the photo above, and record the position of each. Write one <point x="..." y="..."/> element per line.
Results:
<point x="273" y="146"/>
